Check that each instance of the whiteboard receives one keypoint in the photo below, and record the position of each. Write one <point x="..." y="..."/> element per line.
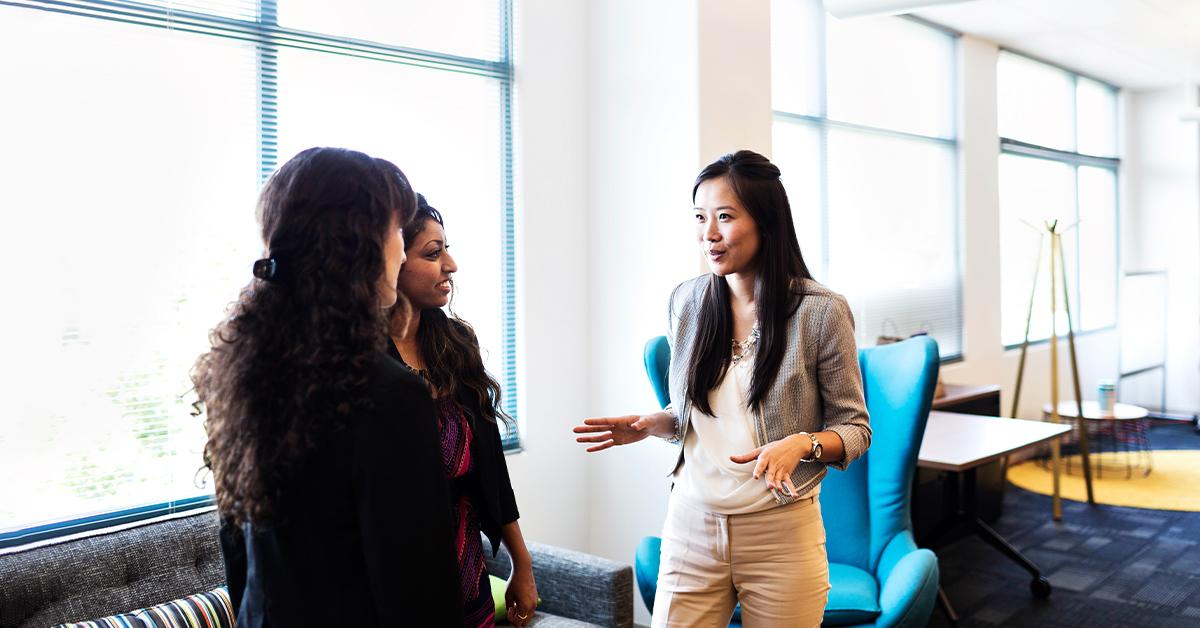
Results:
<point x="1143" y="321"/>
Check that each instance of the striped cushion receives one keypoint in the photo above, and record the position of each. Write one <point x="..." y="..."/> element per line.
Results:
<point x="203" y="610"/>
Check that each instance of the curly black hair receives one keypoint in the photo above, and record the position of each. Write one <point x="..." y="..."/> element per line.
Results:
<point x="294" y="356"/>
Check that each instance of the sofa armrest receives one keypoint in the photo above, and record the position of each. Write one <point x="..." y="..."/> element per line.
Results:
<point x="575" y="585"/>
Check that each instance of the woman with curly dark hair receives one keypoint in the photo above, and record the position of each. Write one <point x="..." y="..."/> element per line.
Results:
<point x="312" y="428"/>
<point x="445" y="352"/>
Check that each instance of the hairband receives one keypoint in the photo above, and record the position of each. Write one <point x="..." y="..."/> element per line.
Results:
<point x="265" y="268"/>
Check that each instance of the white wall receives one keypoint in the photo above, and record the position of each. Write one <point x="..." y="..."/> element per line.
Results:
<point x="551" y="145"/>
<point x="643" y="141"/>
<point x="1162" y="220"/>
<point x="673" y="86"/>
<point x="734" y="77"/>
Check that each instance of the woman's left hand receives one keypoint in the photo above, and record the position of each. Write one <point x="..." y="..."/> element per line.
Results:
<point x="777" y="460"/>
<point x="521" y="596"/>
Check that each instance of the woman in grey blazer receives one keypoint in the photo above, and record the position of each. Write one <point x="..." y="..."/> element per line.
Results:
<point x="765" y="394"/>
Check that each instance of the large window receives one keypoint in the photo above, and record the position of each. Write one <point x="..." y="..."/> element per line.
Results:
<point x="136" y="136"/>
<point x="1058" y="162"/>
<point x="865" y="136"/>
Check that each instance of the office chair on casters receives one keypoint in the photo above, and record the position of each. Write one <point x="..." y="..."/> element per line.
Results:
<point x="878" y="575"/>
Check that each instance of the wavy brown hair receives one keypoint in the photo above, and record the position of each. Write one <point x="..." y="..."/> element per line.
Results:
<point x="453" y="362"/>
<point x="295" y="355"/>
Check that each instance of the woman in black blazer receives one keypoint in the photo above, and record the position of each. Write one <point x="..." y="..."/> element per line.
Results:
<point x="323" y="449"/>
<point x="444" y="351"/>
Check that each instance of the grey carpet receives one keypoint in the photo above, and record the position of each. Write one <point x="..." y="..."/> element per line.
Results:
<point x="1109" y="566"/>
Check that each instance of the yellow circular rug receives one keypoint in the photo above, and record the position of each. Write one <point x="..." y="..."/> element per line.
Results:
<point x="1173" y="484"/>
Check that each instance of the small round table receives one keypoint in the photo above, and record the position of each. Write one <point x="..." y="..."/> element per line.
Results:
<point x="1119" y="438"/>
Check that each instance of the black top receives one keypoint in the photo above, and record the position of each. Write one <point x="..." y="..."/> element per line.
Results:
<point x="493" y="492"/>
<point x="365" y="537"/>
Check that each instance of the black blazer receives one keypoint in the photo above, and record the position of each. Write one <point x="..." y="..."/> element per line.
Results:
<point x="365" y="538"/>
<point x="495" y="503"/>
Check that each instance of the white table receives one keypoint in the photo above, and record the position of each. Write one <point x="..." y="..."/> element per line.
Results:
<point x="959" y="444"/>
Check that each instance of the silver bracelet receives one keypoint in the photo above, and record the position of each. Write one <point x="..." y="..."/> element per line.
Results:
<point x="814" y="454"/>
<point x="674" y="439"/>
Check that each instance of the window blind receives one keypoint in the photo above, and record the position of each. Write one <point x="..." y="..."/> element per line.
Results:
<point x="137" y="136"/>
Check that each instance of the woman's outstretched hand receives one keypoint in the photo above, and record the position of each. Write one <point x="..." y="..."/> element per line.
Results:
<point x="623" y="430"/>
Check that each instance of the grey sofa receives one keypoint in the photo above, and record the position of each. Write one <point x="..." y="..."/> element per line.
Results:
<point x="138" y="565"/>
<point x="576" y="589"/>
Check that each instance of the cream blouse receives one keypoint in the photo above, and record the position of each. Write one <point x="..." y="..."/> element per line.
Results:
<point x="707" y="477"/>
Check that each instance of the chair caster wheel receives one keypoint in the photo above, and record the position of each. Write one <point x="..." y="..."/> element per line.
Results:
<point x="1040" y="587"/>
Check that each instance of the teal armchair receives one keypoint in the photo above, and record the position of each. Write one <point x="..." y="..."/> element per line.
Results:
<point x="878" y="575"/>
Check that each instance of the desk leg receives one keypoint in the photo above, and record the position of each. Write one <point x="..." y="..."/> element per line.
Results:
<point x="1056" y="464"/>
<point x="1040" y="586"/>
<point x="947" y="608"/>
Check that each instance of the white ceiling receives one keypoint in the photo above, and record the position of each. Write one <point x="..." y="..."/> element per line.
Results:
<point x="1137" y="44"/>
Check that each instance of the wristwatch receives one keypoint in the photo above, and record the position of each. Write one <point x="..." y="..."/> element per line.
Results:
<point x="815" y="454"/>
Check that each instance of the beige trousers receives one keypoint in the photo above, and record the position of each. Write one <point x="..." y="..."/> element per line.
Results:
<point x="773" y="562"/>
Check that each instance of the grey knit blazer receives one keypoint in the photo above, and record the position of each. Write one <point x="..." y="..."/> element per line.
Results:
<point x="819" y="386"/>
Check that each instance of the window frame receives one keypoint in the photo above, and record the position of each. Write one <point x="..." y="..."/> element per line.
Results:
<point x="823" y="124"/>
<point x="265" y="32"/>
<point x="1075" y="159"/>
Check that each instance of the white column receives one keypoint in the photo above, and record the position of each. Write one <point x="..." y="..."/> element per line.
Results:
<point x="734" y="56"/>
<point x="672" y="86"/>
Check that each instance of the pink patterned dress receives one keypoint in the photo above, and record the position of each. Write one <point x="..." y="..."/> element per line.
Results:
<point x="455" y="429"/>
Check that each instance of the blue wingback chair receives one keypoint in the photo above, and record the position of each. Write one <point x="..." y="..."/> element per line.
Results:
<point x="878" y="575"/>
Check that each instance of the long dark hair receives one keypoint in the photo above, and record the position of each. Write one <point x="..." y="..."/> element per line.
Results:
<point x="453" y="362"/>
<point x="293" y="359"/>
<point x="778" y="285"/>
